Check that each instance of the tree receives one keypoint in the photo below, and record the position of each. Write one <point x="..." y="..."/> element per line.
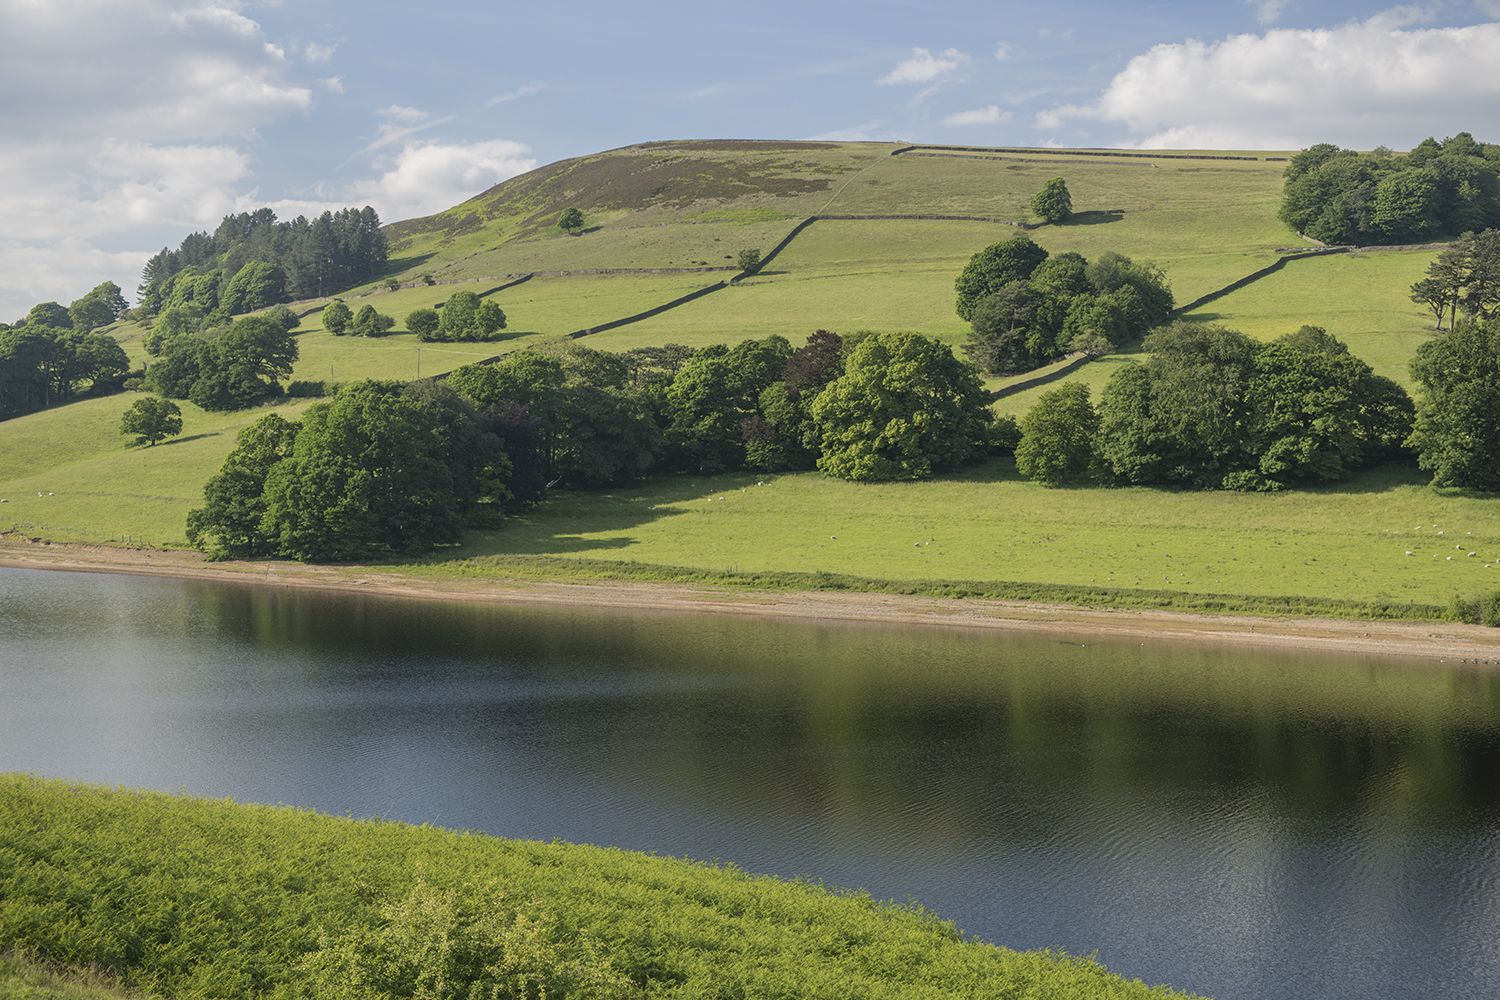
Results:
<point x="152" y="419"/>
<point x="1057" y="436"/>
<point x="994" y="267"/>
<point x="337" y="317"/>
<point x="1457" y="434"/>
<point x="571" y="221"/>
<point x="1183" y="419"/>
<point x="904" y="409"/>
<point x="370" y="323"/>
<point x="998" y="324"/>
<point x="366" y="477"/>
<point x="1053" y="203"/>
<point x="748" y="260"/>
<point x="422" y="322"/>
<point x="255" y="286"/>
<point x="228" y="525"/>
<point x="465" y="318"/>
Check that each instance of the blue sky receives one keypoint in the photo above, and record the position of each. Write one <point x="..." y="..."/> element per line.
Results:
<point x="125" y="124"/>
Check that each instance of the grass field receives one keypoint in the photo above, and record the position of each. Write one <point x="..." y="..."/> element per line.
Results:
<point x="1362" y="299"/>
<point x="1343" y="542"/>
<point x="69" y="474"/>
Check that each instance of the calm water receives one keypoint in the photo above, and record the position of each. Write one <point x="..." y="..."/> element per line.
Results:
<point x="1244" y="826"/>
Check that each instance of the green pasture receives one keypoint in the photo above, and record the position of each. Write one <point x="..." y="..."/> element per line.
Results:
<point x="1345" y="542"/>
<point x="1362" y="299"/>
<point x="96" y="485"/>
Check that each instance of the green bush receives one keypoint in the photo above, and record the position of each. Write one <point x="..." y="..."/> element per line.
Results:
<point x="1476" y="609"/>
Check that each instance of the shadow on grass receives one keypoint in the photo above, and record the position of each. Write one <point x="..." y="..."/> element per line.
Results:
<point x="397" y="265"/>
<point x="1094" y="218"/>
<point x="192" y="437"/>
<point x="558" y="526"/>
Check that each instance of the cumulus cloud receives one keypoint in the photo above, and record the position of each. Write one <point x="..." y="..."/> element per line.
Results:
<point x="429" y="177"/>
<point x="1359" y="84"/>
<point x="979" y="116"/>
<point x="1003" y="50"/>
<point x="924" y="67"/>
<point x="121" y="114"/>
<point x="315" y="53"/>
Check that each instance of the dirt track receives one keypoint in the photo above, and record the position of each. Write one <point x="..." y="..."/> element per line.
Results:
<point x="1419" y="641"/>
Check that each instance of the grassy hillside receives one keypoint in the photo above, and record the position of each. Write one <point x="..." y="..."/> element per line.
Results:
<point x="666" y="217"/>
<point x="190" y="898"/>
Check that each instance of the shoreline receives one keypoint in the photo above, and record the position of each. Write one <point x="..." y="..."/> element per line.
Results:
<point x="1429" y="642"/>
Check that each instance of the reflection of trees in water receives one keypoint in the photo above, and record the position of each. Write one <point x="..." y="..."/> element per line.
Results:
<point x="996" y="735"/>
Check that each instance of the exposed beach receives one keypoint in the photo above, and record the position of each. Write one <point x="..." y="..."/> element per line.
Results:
<point x="1431" y="642"/>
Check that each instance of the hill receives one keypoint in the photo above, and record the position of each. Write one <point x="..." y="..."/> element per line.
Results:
<point x="893" y="225"/>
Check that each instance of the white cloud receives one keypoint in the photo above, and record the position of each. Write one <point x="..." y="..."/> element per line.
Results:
<point x="334" y="84"/>
<point x="854" y="133"/>
<point x="315" y="53"/>
<point x="60" y="272"/>
<point x="515" y="95"/>
<point x="979" y="116"/>
<point x="1003" y="50"/>
<point x="924" y="67"/>
<point x="1359" y="84"/>
<point x="124" y="119"/>
<point x="429" y="177"/>
<point x="402" y="113"/>
<point x="1267" y="11"/>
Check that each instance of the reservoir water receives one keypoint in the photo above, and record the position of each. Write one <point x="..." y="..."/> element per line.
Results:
<point x="1247" y="826"/>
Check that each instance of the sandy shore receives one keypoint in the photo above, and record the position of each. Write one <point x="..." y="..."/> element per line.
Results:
<point x="1431" y="642"/>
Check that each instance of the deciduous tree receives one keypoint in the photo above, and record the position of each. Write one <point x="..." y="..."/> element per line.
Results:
<point x="1053" y="203"/>
<point x="150" y="419"/>
<point x="1057" y="436"/>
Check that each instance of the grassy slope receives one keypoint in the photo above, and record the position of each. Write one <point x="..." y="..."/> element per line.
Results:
<point x="210" y="899"/>
<point x="1344" y="542"/>
<point x="1207" y="222"/>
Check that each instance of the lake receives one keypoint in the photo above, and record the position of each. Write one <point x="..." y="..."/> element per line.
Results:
<point x="1244" y="825"/>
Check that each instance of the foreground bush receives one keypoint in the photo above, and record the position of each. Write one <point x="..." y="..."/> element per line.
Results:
<point x="194" y="898"/>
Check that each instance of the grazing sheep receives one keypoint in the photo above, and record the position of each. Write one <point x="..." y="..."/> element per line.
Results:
<point x="1411" y="553"/>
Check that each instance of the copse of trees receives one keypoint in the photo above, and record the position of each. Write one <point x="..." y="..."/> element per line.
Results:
<point x="1032" y="307"/>
<point x="381" y="468"/>
<point x="1457" y="435"/>
<point x="1341" y="196"/>
<point x="1213" y="409"/>
<point x="252" y="261"/>
<point x="1465" y="275"/>
<point x="236" y="368"/>
<point x="58" y="353"/>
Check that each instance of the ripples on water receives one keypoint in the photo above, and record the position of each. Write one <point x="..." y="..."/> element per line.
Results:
<point x="1244" y="826"/>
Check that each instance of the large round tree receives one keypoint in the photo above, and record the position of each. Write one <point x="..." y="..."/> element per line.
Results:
<point x="904" y="409"/>
<point x="994" y="267"/>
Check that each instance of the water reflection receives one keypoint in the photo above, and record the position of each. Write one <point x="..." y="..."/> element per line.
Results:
<point x="1244" y="826"/>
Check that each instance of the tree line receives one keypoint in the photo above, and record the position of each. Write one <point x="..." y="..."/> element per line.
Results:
<point x="252" y="261"/>
<point x="1214" y="409"/>
<point x="56" y="353"/>
<point x="1027" y="307"/>
<point x="1343" y="197"/>
<point x="384" y="467"/>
